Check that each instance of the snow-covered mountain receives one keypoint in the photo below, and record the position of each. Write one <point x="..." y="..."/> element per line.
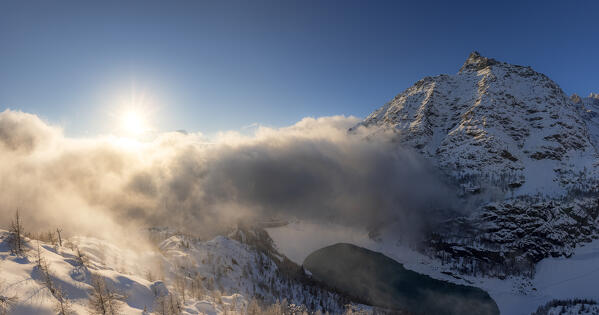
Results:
<point x="500" y="123"/>
<point x="520" y="147"/>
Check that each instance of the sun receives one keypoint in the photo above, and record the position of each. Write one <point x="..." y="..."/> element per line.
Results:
<point x="133" y="123"/>
<point x="132" y="114"/>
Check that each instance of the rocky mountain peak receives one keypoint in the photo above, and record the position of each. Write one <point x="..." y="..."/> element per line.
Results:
<point x="477" y="62"/>
<point x="593" y="98"/>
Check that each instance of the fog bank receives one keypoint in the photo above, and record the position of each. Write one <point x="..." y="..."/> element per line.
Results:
<point x="313" y="170"/>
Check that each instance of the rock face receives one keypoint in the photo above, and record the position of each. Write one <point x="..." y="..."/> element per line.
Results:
<point x="589" y="107"/>
<point x="509" y="237"/>
<point x="513" y="140"/>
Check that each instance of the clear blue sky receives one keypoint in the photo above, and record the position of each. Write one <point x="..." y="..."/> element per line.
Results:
<point x="219" y="65"/>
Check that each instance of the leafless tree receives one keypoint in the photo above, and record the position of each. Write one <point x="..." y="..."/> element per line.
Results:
<point x="275" y="309"/>
<point x="150" y="276"/>
<point x="59" y="236"/>
<point x="38" y="256"/>
<point x="46" y="276"/>
<point x="50" y="238"/>
<point x="104" y="300"/>
<point x="63" y="305"/>
<point x="218" y="296"/>
<point x="81" y="258"/>
<point x="16" y="235"/>
<point x="6" y="302"/>
<point x="254" y="308"/>
<point x="168" y="305"/>
<point x="197" y="287"/>
<point x="181" y="286"/>
<point x="175" y="305"/>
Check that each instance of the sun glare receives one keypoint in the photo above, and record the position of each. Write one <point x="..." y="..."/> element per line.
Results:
<point x="133" y="123"/>
<point x="133" y="115"/>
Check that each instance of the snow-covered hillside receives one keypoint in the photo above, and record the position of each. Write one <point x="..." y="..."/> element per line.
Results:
<point x="246" y="263"/>
<point x="26" y="282"/>
<point x="73" y="270"/>
<point x="181" y="276"/>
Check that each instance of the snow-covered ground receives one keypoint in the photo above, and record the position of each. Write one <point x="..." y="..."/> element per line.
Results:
<point x="556" y="278"/>
<point x="217" y="276"/>
<point x="124" y="271"/>
<point x="22" y="279"/>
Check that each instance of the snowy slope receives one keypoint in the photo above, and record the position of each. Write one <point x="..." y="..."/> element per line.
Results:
<point x="22" y="278"/>
<point x="218" y="276"/>
<point x="231" y="266"/>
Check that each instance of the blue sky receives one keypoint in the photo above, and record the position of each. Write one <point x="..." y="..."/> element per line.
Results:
<point x="220" y="65"/>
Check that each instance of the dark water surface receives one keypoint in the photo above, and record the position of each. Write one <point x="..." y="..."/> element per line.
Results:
<point x="384" y="282"/>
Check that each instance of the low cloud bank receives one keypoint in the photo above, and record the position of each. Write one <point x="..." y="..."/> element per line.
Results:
<point x="313" y="170"/>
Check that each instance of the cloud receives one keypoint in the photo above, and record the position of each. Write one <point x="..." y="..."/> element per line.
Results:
<point x="313" y="170"/>
<point x="23" y="132"/>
